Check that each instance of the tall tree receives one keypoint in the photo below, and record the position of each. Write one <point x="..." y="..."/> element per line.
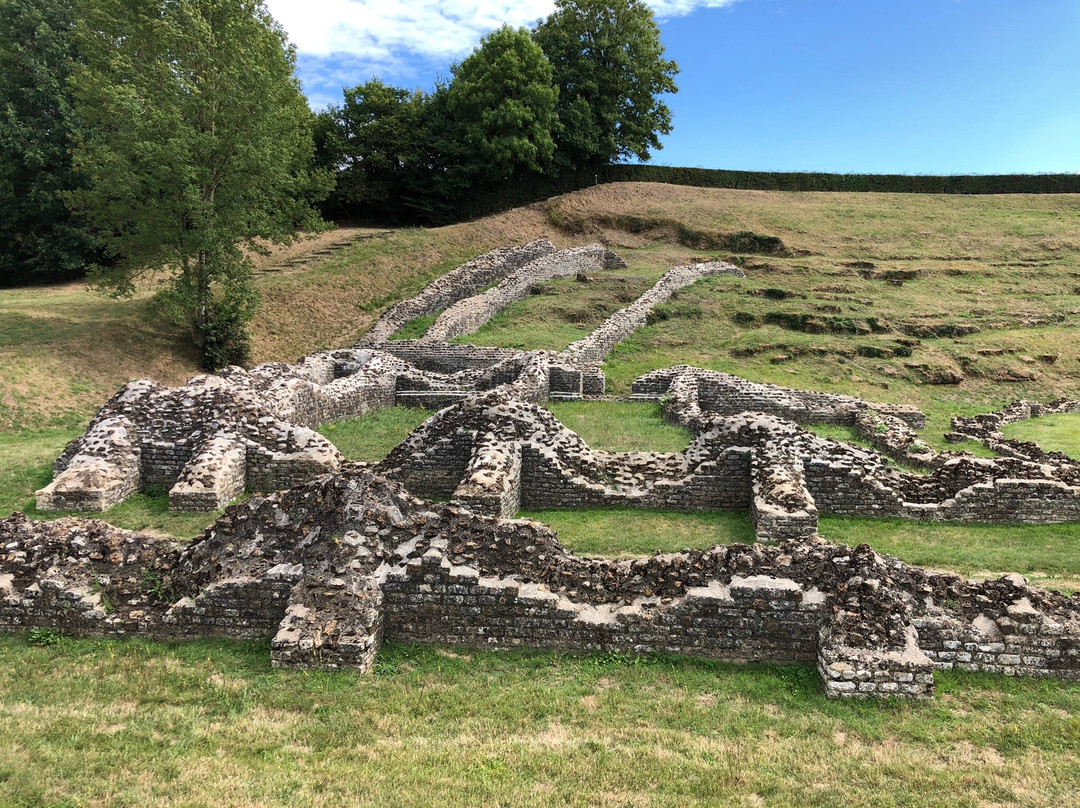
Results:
<point x="40" y="239"/>
<point x="199" y="148"/>
<point x="503" y="102"/>
<point x="610" y="68"/>
<point x="375" y="140"/>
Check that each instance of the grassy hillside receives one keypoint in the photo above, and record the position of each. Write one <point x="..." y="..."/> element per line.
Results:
<point x="956" y="304"/>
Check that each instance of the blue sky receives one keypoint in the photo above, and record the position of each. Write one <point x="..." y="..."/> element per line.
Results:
<point x="906" y="86"/>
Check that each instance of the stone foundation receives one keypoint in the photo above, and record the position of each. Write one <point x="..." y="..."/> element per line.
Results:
<point x="331" y="568"/>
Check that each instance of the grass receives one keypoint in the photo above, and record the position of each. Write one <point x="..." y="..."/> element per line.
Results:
<point x="621" y="426"/>
<point x="372" y="436"/>
<point x="26" y="460"/>
<point x="416" y="328"/>
<point x="1058" y="433"/>
<point x="564" y="310"/>
<point x="1048" y="554"/>
<point x="137" y="723"/>
<point x="621" y="533"/>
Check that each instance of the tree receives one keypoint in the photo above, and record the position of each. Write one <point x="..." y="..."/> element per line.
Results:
<point x="610" y="68"/>
<point x="375" y="140"/>
<point x="40" y="239"/>
<point x="503" y="103"/>
<point x="199" y="149"/>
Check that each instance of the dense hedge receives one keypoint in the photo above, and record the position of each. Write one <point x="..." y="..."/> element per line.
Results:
<point x="532" y="188"/>
<point x="882" y="183"/>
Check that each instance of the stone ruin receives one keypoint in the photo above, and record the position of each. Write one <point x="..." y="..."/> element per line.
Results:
<point x="348" y="555"/>
<point x="331" y="568"/>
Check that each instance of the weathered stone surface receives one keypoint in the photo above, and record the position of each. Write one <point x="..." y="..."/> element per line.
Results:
<point x="626" y="321"/>
<point x="469" y="314"/>
<point x="457" y="284"/>
<point x="332" y="567"/>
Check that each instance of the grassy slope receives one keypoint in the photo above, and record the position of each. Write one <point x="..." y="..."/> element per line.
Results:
<point x="209" y="723"/>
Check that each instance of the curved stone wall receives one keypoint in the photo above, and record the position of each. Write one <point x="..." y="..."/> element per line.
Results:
<point x="469" y="314"/>
<point x="457" y="284"/>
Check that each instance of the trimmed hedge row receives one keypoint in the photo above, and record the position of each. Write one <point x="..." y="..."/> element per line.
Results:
<point x="811" y="181"/>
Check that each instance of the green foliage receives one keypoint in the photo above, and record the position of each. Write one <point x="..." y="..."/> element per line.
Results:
<point x="40" y="240"/>
<point x="44" y="637"/>
<point x="816" y="181"/>
<point x="156" y="588"/>
<point x="503" y="104"/>
<point x="225" y="339"/>
<point x="610" y="68"/>
<point x="376" y="141"/>
<point x="199" y="148"/>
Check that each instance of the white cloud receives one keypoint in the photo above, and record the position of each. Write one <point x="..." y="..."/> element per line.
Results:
<point x="381" y="31"/>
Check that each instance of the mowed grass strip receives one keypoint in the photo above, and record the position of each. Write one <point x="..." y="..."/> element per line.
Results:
<point x="624" y="532"/>
<point x="1053" y="433"/>
<point x="371" y="437"/>
<point x="621" y="426"/>
<point x="1048" y="554"/>
<point x="137" y="723"/>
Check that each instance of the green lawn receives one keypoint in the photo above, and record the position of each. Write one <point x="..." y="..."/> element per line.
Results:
<point x="134" y="723"/>
<point x="618" y="533"/>
<point x="204" y="723"/>
<point x="1048" y="554"/>
<point x="371" y="437"/>
<point x="1057" y="433"/>
<point x="621" y="426"/>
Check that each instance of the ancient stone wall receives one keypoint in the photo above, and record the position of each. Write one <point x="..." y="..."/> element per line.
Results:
<point x="457" y="284"/>
<point x="625" y="322"/>
<point x="330" y="568"/>
<point x="469" y="314"/>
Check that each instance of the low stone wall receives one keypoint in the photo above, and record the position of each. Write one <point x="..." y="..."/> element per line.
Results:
<point x="716" y="393"/>
<point x="457" y="284"/>
<point x="756" y="619"/>
<point x="625" y="322"/>
<point x="330" y="568"/>
<point x="469" y="314"/>
<point x="512" y="452"/>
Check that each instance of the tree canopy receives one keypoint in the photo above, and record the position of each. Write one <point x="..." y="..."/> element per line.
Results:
<point x="199" y="147"/>
<point x="375" y="140"/>
<point x="610" y="69"/>
<point x="40" y="239"/>
<point x="503" y="102"/>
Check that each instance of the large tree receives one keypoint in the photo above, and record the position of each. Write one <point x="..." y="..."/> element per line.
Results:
<point x="376" y="142"/>
<point x="502" y="101"/>
<point x="199" y="149"/>
<point x="40" y="239"/>
<point x="610" y="68"/>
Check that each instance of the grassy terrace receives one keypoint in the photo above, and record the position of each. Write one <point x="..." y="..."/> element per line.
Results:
<point x="880" y="296"/>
